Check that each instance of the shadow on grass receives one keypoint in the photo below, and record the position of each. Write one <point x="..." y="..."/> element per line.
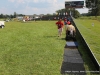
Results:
<point x="63" y="39"/>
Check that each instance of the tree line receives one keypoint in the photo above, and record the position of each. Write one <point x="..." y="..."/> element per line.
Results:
<point x="10" y="16"/>
<point x="94" y="7"/>
<point x="60" y="12"/>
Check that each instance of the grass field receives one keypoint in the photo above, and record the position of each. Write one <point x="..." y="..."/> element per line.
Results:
<point x="32" y="48"/>
<point x="90" y="30"/>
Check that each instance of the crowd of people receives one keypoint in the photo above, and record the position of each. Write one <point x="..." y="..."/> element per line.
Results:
<point x="69" y="27"/>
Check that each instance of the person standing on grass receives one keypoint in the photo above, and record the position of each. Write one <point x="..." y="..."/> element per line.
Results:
<point x="60" y="26"/>
<point x="65" y="21"/>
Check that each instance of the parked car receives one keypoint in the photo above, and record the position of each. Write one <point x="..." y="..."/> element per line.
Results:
<point x="2" y="24"/>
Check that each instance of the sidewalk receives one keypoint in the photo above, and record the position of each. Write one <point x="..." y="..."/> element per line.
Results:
<point x="72" y="60"/>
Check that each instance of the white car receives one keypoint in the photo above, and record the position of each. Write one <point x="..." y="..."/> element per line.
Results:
<point x="2" y="24"/>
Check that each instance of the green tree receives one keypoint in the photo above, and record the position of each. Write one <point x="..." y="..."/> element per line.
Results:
<point x="97" y="10"/>
<point x="1" y="16"/>
<point x="15" y="14"/>
<point x="76" y="14"/>
<point x="11" y="16"/>
<point x="94" y="7"/>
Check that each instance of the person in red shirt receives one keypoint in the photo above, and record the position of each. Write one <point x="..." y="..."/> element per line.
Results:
<point x="60" y="26"/>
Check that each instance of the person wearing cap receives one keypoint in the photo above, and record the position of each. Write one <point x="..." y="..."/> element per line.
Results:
<point x="65" y="21"/>
<point x="60" y="26"/>
<point x="70" y="30"/>
<point x="68" y="22"/>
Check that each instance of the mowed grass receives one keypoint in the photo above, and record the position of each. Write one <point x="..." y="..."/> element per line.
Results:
<point x="90" y="29"/>
<point x="30" y="48"/>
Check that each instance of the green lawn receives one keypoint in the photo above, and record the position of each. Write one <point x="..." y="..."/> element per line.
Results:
<point x="91" y="34"/>
<point x="33" y="48"/>
<point x="30" y="48"/>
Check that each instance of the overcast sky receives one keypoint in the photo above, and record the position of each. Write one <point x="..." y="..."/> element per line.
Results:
<point x="30" y="7"/>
